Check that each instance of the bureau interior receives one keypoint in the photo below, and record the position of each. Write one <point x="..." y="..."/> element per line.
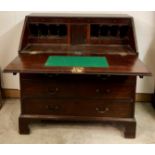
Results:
<point x="98" y="35"/>
<point x="47" y="30"/>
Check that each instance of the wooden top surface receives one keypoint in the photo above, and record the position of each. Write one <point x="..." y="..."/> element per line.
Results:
<point x="85" y="15"/>
<point x="118" y="65"/>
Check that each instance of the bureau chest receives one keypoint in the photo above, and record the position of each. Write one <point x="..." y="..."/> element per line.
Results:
<point x="78" y="93"/>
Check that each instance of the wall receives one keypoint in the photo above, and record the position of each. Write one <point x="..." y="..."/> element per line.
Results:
<point x="11" y="24"/>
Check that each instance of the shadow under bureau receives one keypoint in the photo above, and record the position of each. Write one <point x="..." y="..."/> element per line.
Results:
<point x="78" y="92"/>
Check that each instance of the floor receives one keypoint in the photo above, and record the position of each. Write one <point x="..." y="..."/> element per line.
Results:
<point x="74" y="133"/>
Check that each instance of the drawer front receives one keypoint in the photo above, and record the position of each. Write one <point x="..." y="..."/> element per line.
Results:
<point x="127" y="80"/>
<point x="62" y="89"/>
<point x="76" y="107"/>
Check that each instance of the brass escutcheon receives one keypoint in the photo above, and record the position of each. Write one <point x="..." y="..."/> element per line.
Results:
<point x="77" y="69"/>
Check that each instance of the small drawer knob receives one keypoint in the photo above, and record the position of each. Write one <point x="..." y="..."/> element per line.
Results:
<point x="108" y="91"/>
<point x="102" y="111"/>
<point x="53" y="91"/>
<point x="97" y="90"/>
<point x="52" y="108"/>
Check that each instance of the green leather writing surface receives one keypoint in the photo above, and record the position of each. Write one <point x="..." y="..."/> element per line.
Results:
<point x="76" y="61"/>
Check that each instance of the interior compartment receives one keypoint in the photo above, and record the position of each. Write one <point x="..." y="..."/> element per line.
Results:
<point x="33" y="29"/>
<point x="114" y="30"/>
<point x="62" y="30"/>
<point x="104" y="30"/>
<point x="94" y="30"/>
<point x="53" y="29"/>
<point x="97" y="30"/>
<point x="57" y="35"/>
<point x="124" y="31"/>
<point x="47" y="30"/>
<point x="43" y="30"/>
<point x="78" y="34"/>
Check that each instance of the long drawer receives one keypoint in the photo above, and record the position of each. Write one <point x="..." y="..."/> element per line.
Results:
<point x="77" y="88"/>
<point x="77" y="107"/>
<point x="80" y="77"/>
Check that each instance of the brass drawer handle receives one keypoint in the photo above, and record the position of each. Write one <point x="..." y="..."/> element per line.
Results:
<point x="97" y="90"/>
<point x="108" y="90"/>
<point x="53" y="92"/>
<point x="50" y="76"/>
<point x="104" y="78"/>
<point x="52" y="108"/>
<point x="98" y="110"/>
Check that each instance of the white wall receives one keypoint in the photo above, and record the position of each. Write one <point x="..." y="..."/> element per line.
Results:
<point x="11" y="24"/>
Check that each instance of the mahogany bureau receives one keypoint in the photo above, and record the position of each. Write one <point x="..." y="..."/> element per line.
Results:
<point x="71" y="93"/>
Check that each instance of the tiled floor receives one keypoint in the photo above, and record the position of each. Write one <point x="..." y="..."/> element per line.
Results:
<point x="74" y="133"/>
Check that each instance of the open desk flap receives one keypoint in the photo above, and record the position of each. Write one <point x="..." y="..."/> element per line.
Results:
<point x="117" y="65"/>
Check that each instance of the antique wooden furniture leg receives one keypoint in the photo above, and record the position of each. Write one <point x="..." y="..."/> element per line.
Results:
<point x="153" y="100"/>
<point x="24" y="125"/>
<point x="1" y="101"/>
<point x="130" y="129"/>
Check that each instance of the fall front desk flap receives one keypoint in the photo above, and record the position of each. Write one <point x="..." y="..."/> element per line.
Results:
<point x="109" y="64"/>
